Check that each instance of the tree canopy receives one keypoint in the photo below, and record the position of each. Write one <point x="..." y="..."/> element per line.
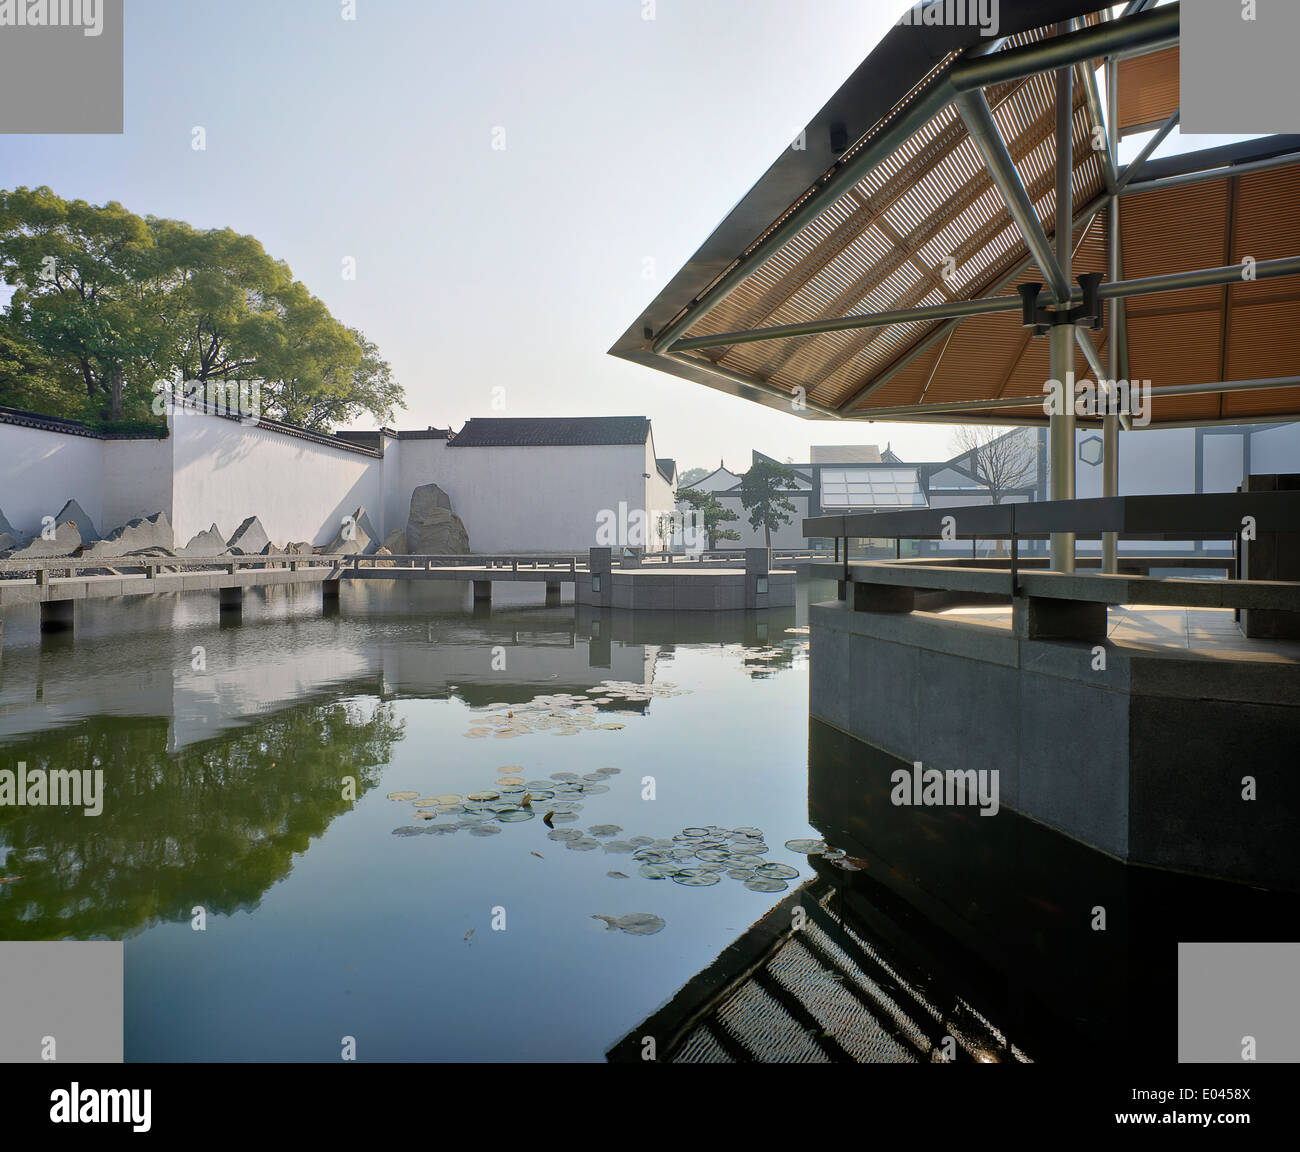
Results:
<point x="762" y="491"/>
<point x="106" y="303"/>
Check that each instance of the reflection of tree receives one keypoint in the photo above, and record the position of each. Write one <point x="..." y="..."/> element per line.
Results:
<point x="761" y="663"/>
<point x="215" y="825"/>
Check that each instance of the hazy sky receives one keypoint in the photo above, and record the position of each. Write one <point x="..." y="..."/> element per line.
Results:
<point x="626" y="141"/>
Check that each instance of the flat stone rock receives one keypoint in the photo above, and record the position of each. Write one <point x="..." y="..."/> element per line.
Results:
<point x="249" y="539"/>
<point x="137" y="536"/>
<point x="209" y="543"/>
<point x="358" y="536"/>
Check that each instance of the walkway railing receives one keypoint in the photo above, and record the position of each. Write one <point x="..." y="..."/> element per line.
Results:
<point x="1073" y="603"/>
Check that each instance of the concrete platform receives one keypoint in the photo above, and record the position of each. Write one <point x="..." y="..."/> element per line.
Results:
<point x="671" y="589"/>
<point x="1143" y="746"/>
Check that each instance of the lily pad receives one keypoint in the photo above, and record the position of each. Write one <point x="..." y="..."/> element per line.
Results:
<point x="566" y="776"/>
<point x="807" y="847"/>
<point x="641" y="841"/>
<point x="484" y="830"/>
<point x="657" y="871"/>
<point x="583" y="844"/>
<point x="563" y="817"/>
<point x="694" y="877"/>
<point x="484" y="796"/>
<point x="765" y="884"/>
<point x="641" y="924"/>
<point x="605" y="829"/>
<point x="516" y="815"/>
<point x="714" y="854"/>
<point x="402" y="795"/>
<point x="617" y="846"/>
<point x="776" y="871"/>
<point x="743" y="860"/>
<point x="618" y="875"/>
<point x="756" y="833"/>
<point x="449" y="798"/>
<point x="740" y="873"/>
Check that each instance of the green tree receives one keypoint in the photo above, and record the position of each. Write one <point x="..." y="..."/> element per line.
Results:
<point x="116" y="302"/>
<point x="762" y="491"/>
<point x="79" y="276"/>
<point x="712" y="512"/>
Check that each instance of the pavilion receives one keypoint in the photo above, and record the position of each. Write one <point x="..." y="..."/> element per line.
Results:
<point x="953" y="239"/>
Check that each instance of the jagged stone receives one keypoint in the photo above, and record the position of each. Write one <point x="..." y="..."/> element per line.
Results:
<point x="249" y="538"/>
<point x="135" y="537"/>
<point x="209" y="543"/>
<point x="382" y="551"/>
<point x="432" y="528"/>
<point x="74" y="514"/>
<point x="10" y="537"/>
<point x="357" y="534"/>
<point x="395" y="542"/>
<point x="299" y="548"/>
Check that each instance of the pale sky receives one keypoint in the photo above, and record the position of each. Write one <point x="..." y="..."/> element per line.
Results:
<point x="626" y="141"/>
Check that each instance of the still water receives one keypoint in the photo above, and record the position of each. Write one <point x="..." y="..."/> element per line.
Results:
<point x="227" y="748"/>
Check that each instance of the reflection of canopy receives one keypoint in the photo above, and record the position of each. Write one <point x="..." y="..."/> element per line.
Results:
<point x="872" y="272"/>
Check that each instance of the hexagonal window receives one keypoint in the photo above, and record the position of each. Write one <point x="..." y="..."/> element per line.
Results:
<point x="1090" y="450"/>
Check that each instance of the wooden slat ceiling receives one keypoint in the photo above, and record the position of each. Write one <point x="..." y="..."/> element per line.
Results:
<point x="1148" y="90"/>
<point x="883" y="247"/>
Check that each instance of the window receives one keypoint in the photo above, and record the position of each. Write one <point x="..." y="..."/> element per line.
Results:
<point x="871" y="488"/>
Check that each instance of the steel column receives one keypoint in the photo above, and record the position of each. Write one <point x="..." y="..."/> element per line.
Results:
<point x="1110" y="424"/>
<point x="1061" y="424"/>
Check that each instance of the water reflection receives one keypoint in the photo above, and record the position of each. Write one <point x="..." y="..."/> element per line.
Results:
<point x="215" y="825"/>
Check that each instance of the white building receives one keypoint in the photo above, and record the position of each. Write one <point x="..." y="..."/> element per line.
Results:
<point x="519" y="485"/>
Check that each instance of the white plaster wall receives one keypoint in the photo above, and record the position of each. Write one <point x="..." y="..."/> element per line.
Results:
<point x="40" y="471"/>
<point x="787" y="536"/>
<point x="137" y="480"/>
<point x="540" y="499"/>
<point x="225" y="471"/>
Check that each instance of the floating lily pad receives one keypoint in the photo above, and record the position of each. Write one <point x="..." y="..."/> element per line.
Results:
<point x="594" y="789"/>
<point x="449" y="798"/>
<point x="583" y="844"/>
<point x="510" y="780"/>
<point x="409" y="830"/>
<point x="468" y="818"/>
<point x="609" y="771"/>
<point x="713" y="867"/>
<point x="563" y="817"/>
<point x="484" y="830"/>
<point x="516" y="815"/>
<point x="641" y="924"/>
<point x="807" y="847"/>
<point x="426" y="802"/>
<point x="617" y="846"/>
<point x="539" y="785"/>
<point x="776" y="871"/>
<point x="444" y="829"/>
<point x="618" y="875"/>
<point x="740" y="873"/>
<point x="402" y="795"/>
<point x="605" y="829"/>
<point x="610" y="727"/>
<point x="510" y="791"/>
<point x="641" y="841"/>
<point x="765" y="884"/>
<point x="756" y="833"/>
<point x="566" y="776"/>
<point x="541" y="794"/>
<point x="833" y="854"/>
<point x="694" y="877"/>
<point x="564" y="834"/>
<point x="652" y="855"/>
<point x="713" y="854"/>
<point x="657" y="871"/>
<point x="743" y="860"/>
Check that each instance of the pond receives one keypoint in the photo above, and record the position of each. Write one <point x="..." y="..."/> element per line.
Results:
<point x="364" y="823"/>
